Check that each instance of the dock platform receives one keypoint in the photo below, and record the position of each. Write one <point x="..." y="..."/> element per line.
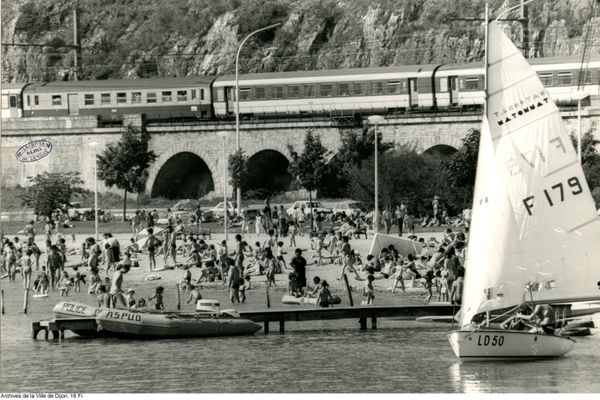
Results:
<point x="361" y="313"/>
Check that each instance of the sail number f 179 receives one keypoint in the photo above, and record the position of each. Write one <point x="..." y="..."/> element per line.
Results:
<point x="556" y="193"/>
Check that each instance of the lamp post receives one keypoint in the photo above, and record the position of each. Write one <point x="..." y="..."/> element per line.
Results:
<point x="94" y="145"/>
<point x="375" y="120"/>
<point x="237" y="102"/>
<point x="223" y="135"/>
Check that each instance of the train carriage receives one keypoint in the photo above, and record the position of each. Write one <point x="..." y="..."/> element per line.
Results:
<point x="110" y="99"/>
<point x="12" y="100"/>
<point x="461" y="85"/>
<point x="365" y="90"/>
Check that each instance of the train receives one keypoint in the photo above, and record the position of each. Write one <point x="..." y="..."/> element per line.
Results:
<point x="358" y="91"/>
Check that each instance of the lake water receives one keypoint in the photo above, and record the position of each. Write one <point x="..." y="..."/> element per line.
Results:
<point x="323" y="356"/>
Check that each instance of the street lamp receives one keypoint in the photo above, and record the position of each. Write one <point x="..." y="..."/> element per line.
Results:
<point x="94" y="145"/>
<point x="237" y="103"/>
<point x="223" y="135"/>
<point x="375" y="120"/>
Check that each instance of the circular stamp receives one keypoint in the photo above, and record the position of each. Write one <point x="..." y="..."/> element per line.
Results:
<point x="34" y="151"/>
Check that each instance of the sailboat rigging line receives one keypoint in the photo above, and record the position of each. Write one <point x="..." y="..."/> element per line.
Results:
<point x="561" y="168"/>
<point x="584" y="224"/>
<point x="511" y="85"/>
<point x="512" y="8"/>
<point x="479" y="326"/>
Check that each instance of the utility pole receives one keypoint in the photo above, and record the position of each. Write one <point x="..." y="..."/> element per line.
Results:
<point x="75" y="43"/>
<point x="524" y="29"/>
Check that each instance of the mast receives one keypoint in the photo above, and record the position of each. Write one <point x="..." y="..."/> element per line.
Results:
<point x="485" y="94"/>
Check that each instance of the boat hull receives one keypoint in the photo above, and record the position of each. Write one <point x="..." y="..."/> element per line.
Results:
<point x="126" y="323"/>
<point x="505" y="345"/>
<point x="74" y="309"/>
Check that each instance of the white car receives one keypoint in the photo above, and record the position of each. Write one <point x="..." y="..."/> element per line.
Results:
<point x="308" y="206"/>
<point x="348" y="208"/>
<point x="217" y="211"/>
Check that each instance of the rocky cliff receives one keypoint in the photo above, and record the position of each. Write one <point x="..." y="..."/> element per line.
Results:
<point x="143" y="38"/>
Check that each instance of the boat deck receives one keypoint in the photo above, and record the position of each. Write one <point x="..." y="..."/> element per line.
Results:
<point x="58" y="325"/>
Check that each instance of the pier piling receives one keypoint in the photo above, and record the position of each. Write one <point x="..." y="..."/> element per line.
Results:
<point x="268" y="298"/>
<point x="363" y="323"/>
<point x="25" y="300"/>
<point x="2" y="300"/>
<point x="348" y="290"/>
<point x="281" y="326"/>
<point x="266" y="329"/>
<point x="373" y="322"/>
<point x="178" y="297"/>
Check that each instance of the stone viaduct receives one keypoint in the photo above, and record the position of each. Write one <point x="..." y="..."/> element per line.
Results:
<point x="188" y="154"/>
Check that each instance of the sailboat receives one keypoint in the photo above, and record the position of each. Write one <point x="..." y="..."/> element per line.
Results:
<point x="534" y="232"/>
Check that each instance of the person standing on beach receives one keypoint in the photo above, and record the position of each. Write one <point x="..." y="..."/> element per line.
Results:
<point x="298" y="263"/>
<point x="136" y="224"/>
<point x="55" y="264"/>
<point x="233" y="283"/>
<point x="239" y="253"/>
<point x="29" y="230"/>
<point x="116" y="291"/>
<point x="26" y="267"/>
<point x="400" y="214"/>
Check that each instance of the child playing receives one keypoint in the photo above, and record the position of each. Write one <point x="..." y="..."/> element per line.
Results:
<point x="194" y="294"/>
<point x="186" y="283"/>
<point x="429" y="278"/>
<point x="324" y="296"/>
<point x="26" y="267"/>
<point x="64" y="284"/>
<point x="292" y="230"/>
<point x="158" y="298"/>
<point x="77" y="279"/>
<point x="43" y="282"/>
<point x="103" y="297"/>
<point x="245" y="284"/>
<point x="444" y="290"/>
<point x="129" y="300"/>
<point x="280" y="254"/>
<point x="319" y="248"/>
<point x="368" y="291"/>
<point x="95" y="282"/>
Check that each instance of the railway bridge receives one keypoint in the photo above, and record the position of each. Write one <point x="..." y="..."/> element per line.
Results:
<point x="190" y="155"/>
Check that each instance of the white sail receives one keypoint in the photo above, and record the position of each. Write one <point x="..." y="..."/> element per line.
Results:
<point x="534" y="220"/>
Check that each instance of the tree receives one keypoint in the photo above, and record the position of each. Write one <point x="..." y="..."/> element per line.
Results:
<point x="125" y="164"/>
<point x="51" y="190"/>
<point x="588" y="145"/>
<point x="310" y="166"/>
<point x="461" y="168"/>
<point x="238" y="169"/>
<point x="356" y="147"/>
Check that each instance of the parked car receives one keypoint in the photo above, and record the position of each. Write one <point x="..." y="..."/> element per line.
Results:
<point x="308" y="206"/>
<point x="186" y="208"/>
<point x="232" y="208"/>
<point x="348" y="208"/>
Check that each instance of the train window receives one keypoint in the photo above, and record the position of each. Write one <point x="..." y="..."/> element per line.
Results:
<point x="277" y="92"/>
<point x="472" y="83"/>
<point x="565" y="78"/>
<point x="36" y="100"/>
<point x="310" y="90"/>
<point x="56" y="99"/>
<point x="105" y="98"/>
<point x="393" y="87"/>
<point x="13" y="101"/>
<point x="4" y="101"/>
<point x="88" y="99"/>
<point x="377" y="87"/>
<point x="547" y="78"/>
<point x="359" y="88"/>
<point x="166" y="96"/>
<point x="151" y="97"/>
<point x="293" y="91"/>
<point x="443" y="85"/>
<point x="121" y="98"/>
<point x="201" y="94"/>
<point x="588" y="77"/>
<point x="261" y="93"/>
<point x="344" y="89"/>
<point x="326" y="90"/>
<point x="245" y="93"/>
<point x="193" y="92"/>
<point x="182" y="95"/>
<point x="28" y="100"/>
<point x="136" y="97"/>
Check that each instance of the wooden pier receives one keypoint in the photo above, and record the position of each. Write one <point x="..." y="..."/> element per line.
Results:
<point x="362" y="314"/>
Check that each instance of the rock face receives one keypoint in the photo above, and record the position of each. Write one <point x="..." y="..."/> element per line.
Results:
<point x="141" y="38"/>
